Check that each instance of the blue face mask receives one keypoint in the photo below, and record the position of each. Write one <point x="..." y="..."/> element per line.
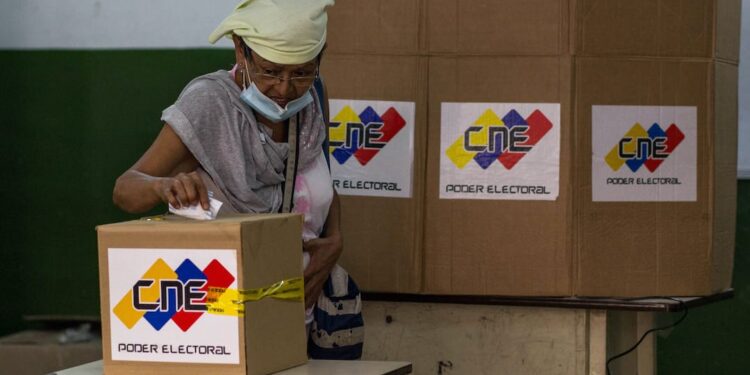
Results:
<point x="269" y="109"/>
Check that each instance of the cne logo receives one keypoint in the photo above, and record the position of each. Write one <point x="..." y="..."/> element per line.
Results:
<point x="163" y="294"/>
<point x="506" y="140"/>
<point x="363" y="135"/>
<point x="644" y="148"/>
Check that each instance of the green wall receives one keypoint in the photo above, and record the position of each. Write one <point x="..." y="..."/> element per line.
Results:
<point x="714" y="339"/>
<point x="72" y="121"/>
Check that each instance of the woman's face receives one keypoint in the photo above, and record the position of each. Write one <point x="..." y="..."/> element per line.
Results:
<point x="280" y="82"/>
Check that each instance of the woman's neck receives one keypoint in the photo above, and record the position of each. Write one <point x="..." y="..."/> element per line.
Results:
<point x="279" y="130"/>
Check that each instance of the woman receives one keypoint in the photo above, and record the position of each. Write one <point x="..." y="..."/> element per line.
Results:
<point x="253" y="139"/>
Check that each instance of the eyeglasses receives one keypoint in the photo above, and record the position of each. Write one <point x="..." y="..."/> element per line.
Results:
<point x="275" y="79"/>
<point x="299" y="82"/>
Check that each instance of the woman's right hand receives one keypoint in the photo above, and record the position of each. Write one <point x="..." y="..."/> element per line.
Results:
<point x="182" y="190"/>
<point x="165" y="173"/>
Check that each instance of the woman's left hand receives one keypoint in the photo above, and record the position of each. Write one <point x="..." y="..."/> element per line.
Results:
<point x="324" y="252"/>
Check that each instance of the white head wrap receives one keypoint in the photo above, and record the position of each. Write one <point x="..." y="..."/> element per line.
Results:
<point x="280" y="31"/>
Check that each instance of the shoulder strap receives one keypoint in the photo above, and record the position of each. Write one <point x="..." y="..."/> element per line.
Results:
<point x="291" y="166"/>
<point x="318" y="85"/>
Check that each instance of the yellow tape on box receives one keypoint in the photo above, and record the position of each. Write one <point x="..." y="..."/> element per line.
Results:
<point x="225" y="301"/>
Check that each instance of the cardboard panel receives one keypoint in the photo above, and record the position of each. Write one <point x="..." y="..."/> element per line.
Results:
<point x="271" y="252"/>
<point x="645" y="28"/>
<point x="724" y="174"/>
<point x="728" y="23"/>
<point x="631" y="249"/>
<point x="374" y="26"/>
<point x="382" y="235"/>
<point x="491" y="27"/>
<point x="497" y="247"/>
<point x="636" y="53"/>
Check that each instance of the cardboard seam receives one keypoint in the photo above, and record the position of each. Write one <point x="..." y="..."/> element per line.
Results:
<point x="658" y="32"/>
<point x="565" y="43"/>
<point x="727" y="61"/>
<point x="659" y="205"/>
<point x="574" y="224"/>
<point x="714" y="128"/>
<point x="423" y="44"/>
<point x="438" y="54"/>
<point x="711" y="167"/>
<point x="677" y="59"/>
<point x="488" y="54"/>
<point x="242" y="322"/>
<point x="560" y="29"/>
<point x="103" y="254"/>
<point x="419" y="195"/>
<point x="421" y="205"/>
<point x="419" y="255"/>
<point x="715" y="29"/>
<point x="575" y="178"/>
<point x="572" y="27"/>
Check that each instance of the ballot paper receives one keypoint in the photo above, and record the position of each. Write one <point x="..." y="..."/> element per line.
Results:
<point x="197" y="212"/>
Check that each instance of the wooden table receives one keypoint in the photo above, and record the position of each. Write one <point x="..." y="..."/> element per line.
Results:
<point x="313" y="367"/>
<point x="500" y="335"/>
<point x="519" y="335"/>
<point x="634" y="304"/>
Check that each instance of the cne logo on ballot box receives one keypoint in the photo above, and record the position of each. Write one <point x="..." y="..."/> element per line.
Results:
<point x="163" y="294"/>
<point x="163" y="306"/>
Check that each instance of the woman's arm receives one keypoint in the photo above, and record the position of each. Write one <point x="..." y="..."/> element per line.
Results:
<point x="324" y="253"/>
<point x="333" y="221"/>
<point x="165" y="173"/>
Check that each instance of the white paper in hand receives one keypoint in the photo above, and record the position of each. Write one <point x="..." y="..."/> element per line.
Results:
<point x="197" y="212"/>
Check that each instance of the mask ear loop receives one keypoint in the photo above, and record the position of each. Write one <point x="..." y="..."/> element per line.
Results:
<point x="245" y="79"/>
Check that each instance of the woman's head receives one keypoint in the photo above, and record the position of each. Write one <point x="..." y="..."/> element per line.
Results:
<point x="285" y="32"/>
<point x="278" y="43"/>
<point x="280" y="82"/>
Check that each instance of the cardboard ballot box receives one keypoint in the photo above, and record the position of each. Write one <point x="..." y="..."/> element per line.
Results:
<point x="167" y="287"/>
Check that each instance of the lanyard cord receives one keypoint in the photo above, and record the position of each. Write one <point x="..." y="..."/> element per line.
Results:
<point x="291" y="165"/>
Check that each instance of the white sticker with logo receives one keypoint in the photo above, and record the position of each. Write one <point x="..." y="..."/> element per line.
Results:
<point x="157" y="306"/>
<point x="371" y="147"/>
<point x="643" y="153"/>
<point x="500" y="151"/>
